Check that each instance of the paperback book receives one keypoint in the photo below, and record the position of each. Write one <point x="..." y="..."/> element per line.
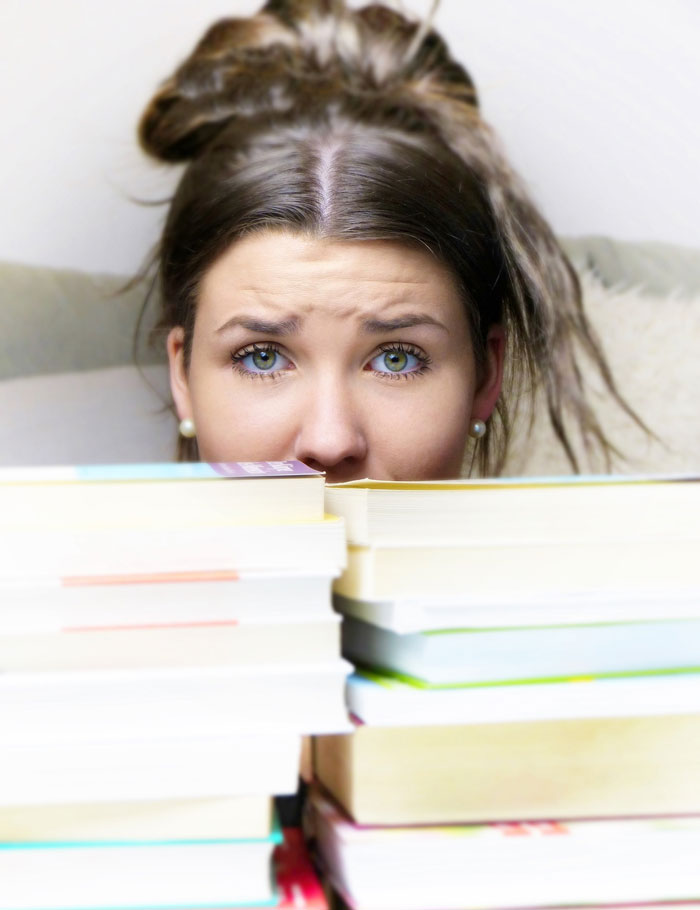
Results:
<point x="185" y="872"/>
<point x="566" y="768"/>
<point x="517" y="511"/>
<point x="268" y="643"/>
<point x="381" y="700"/>
<point x="94" y="705"/>
<point x="530" y="654"/>
<point x="194" y="494"/>
<point x="508" y="865"/>
<point x="47" y="604"/>
<point x="55" y="767"/>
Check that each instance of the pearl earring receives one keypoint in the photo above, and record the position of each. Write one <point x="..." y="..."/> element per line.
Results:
<point x="477" y="429"/>
<point x="187" y="428"/>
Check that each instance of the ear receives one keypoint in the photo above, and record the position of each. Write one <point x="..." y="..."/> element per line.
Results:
<point x="491" y="379"/>
<point x="179" y="384"/>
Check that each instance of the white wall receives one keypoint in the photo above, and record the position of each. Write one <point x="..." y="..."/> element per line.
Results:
<point x="596" y="102"/>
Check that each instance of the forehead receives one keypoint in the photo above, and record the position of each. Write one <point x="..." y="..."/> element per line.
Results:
<point x="295" y="275"/>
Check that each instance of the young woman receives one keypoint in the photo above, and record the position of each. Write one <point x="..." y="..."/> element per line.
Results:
<point x="350" y="273"/>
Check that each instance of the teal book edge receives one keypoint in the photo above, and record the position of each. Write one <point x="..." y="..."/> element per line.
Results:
<point x="229" y="905"/>
<point x="274" y="837"/>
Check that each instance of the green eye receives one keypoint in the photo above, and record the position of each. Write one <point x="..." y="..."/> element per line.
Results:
<point x="395" y="361"/>
<point x="264" y="359"/>
<point x="399" y="361"/>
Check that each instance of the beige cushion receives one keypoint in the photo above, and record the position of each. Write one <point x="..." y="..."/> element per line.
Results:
<point x="57" y="321"/>
<point x="652" y="345"/>
<point x="91" y="417"/>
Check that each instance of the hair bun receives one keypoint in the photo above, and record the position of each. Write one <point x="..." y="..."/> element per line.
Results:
<point x="297" y="55"/>
<point x="228" y="75"/>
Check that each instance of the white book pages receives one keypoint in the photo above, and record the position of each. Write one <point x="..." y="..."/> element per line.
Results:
<point x="393" y="703"/>
<point x="105" y="705"/>
<point x="316" y="546"/>
<point x="46" y="604"/>
<point x="540" y="864"/>
<point x="245" y="763"/>
<point x="160" y="875"/>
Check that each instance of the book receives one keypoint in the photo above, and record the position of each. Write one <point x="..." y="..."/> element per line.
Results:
<point x="94" y="705"/>
<point x="565" y="768"/>
<point x="512" y="573"/>
<point x="157" y="496"/>
<point x="377" y="699"/>
<point x="508" y="865"/>
<point x="55" y="767"/>
<point x="315" y="547"/>
<point x="534" y="654"/>
<point x="203" y="643"/>
<point x="517" y="510"/>
<point x="138" y="873"/>
<point x="175" y="819"/>
<point x="469" y="609"/>
<point x="46" y="604"/>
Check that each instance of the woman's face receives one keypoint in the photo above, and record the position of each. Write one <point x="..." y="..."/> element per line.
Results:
<point x="352" y="356"/>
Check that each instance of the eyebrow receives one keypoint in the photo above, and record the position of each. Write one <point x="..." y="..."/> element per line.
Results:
<point x="401" y="322"/>
<point x="261" y="326"/>
<point x="290" y="326"/>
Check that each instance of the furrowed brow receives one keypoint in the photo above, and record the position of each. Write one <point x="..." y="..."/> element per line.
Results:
<point x="401" y="322"/>
<point x="261" y="326"/>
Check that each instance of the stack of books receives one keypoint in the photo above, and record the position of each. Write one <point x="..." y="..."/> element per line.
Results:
<point x="527" y="698"/>
<point x="166" y="641"/>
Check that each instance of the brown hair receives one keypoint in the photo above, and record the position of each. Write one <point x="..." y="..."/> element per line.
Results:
<point x="358" y="124"/>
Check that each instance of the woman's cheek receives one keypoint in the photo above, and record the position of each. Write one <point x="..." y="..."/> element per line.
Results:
<point x="237" y="419"/>
<point x="420" y="431"/>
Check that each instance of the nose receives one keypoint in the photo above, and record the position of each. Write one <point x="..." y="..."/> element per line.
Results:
<point x="332" y="435"/>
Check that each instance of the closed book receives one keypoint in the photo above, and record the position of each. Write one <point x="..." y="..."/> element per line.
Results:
<point x="488" y="610"/>
<point x="204" y="643"/>
<point x="89" y="705"/>
<point x="517" y="510"/>
<point x="545" y="653"/>
<point x="55" y="767"/>
<point x="46" y="604"/>
<point x="567" y="768"/>
<point x="159" y="495"/>
<point x="514" y="573"/>
<point x="317" y="547"/>
<point x="508" y="865"/>
<point x="175" y="819"/>
<point x="382" y="700"/>
<point x="185" y="872"/>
